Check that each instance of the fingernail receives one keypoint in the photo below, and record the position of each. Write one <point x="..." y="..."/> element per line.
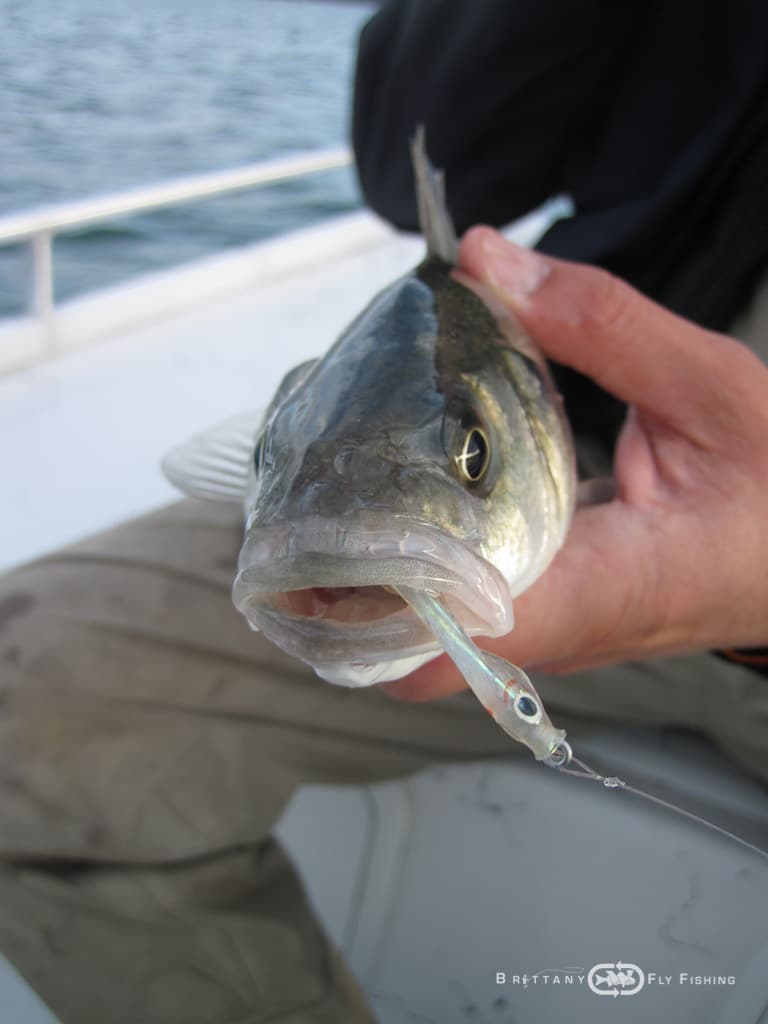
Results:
<point x="513" y="270"/>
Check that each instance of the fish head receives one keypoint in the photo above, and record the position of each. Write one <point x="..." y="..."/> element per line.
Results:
<point x="426" y="448"/>
<point x="423" y="449"/>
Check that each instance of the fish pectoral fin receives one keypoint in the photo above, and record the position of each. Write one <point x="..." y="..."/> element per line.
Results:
<point x="216" y="465"/>
<point x="597" y="491"/>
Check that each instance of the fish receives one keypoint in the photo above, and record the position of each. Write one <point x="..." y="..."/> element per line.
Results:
<point x="427" y="448"/>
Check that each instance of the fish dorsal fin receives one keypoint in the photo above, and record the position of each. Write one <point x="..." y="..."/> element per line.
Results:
<point x="434" y="219"/>
<point x="216" y="464"/>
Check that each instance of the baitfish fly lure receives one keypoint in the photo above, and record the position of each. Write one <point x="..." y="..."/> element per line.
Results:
<point x="504" y="690"/>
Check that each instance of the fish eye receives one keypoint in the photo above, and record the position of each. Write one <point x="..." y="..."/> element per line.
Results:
<point x="527" y="708"/>
<point x="258" y="454"/>
<point x="475" y="455"/>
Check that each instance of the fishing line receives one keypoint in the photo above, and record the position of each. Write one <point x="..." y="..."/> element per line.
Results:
<point x="614" y="782"/>
<point x="508" y="695"/>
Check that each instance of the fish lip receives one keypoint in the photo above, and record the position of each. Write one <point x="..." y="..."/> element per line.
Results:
<point x="316" y="552"/>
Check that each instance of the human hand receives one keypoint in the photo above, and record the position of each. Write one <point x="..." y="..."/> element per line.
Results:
<point x="678" y="561"/>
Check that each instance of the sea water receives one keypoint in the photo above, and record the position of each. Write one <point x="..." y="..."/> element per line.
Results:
<point x="99" y="95"/>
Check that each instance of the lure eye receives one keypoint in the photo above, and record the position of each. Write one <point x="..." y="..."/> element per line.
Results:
<point x="527" y="708"/>
<point x="475" y="455"/>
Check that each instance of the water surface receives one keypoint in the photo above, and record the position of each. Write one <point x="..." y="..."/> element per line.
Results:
<point x="101" y="94"/>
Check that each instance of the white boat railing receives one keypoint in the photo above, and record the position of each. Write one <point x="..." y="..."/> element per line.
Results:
<point x="38" y="227"/>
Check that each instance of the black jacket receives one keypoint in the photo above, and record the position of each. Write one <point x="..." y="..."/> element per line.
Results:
<point x="652" y="116"/>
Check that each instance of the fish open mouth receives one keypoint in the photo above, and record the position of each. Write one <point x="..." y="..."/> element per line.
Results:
<point x="326" y="592"/>
<point x="341" y="604"/>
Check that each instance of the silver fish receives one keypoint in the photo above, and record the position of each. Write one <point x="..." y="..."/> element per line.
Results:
<point x="427" y="448"/>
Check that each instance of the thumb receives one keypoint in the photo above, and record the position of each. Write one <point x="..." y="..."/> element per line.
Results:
<point x="591" y="321"/>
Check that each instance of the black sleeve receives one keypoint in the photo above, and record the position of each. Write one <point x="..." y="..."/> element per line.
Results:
<point x="504" y="87"/>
